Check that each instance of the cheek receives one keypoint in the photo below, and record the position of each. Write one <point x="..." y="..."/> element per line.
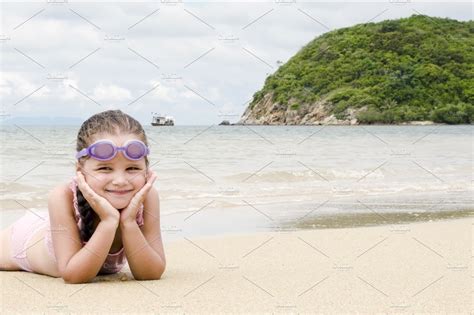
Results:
<point x="96" y="180"/>
<point x="139" y="181"/>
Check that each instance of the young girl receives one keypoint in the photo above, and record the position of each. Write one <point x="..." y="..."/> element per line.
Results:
<point x="107" y="215"/>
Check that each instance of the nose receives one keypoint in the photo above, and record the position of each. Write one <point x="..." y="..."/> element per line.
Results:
<point x="119" y="179"/>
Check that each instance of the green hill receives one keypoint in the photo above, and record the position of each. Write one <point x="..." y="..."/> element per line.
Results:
<point x="412" y="69"/>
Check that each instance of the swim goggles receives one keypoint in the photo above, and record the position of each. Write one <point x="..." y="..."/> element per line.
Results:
<point x="105" y="150"/>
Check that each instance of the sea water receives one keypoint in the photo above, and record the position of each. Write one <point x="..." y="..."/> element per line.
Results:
<point x="218" y="179"/>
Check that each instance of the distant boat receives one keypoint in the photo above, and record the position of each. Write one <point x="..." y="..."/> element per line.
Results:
<point x="160" y="120"/>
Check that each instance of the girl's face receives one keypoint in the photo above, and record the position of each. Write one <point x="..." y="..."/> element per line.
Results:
<point x="119" y="179"/>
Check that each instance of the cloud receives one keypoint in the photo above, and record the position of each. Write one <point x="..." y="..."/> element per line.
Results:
<point x="164" y="93"/>
<point x="111" y="93"/>
<point x="16" y="85"/>
<point x="206" y="58"/>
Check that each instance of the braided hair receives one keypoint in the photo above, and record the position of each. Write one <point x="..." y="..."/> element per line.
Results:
<point x="112" y="122"/>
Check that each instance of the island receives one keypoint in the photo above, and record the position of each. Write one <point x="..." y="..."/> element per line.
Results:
<point x="417" y="70"/>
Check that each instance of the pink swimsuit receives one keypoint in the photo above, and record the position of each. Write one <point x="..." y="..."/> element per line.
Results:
<point x="27" y="226"/>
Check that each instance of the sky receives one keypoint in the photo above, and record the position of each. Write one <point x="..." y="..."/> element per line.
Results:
<point x="199" y="62"/>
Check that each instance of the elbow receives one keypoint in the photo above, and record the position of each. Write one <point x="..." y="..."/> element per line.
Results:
<point x="66" y="276"/>
<point x="71" y="275"/>
<point x="148" y="278"/>
<point x="69" y="281"/>
<point x="156" y="275"/>
<point x="152" y="277"/>
<point x="161" y="270"/>
<point x="73" y="278"/>
<point x="160" y="273"/>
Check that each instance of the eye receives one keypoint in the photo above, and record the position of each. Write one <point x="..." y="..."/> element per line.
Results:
<point x="104" y="168"/>
<point x="133" y="168"/>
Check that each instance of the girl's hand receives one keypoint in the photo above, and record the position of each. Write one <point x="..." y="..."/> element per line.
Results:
<point x="129" y="214"/>
<point x="99" y="204"/>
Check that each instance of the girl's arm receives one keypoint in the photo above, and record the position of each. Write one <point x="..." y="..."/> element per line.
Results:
<point x="144" y="250"/>
<point x="77" y="264"/>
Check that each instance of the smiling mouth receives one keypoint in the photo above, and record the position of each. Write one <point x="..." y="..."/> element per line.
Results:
<point x="118" y="192"/>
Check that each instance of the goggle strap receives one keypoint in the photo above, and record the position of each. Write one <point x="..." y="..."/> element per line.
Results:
<point x="81" y="153"/>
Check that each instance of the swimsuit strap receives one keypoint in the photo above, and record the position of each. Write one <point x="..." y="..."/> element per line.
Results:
<point x="73" y="186"/>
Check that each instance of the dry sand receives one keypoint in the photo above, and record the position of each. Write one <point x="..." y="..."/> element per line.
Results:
<point x="419" y="267"/>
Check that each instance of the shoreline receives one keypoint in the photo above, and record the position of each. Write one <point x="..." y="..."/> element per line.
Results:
<point x="409" y="123"/>
<point x="398" y="226"/>
<point x="221" y="223"/>
<point x="368" y="269"/>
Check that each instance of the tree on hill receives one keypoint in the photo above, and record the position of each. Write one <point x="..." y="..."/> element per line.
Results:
<point x="416" y="68"/>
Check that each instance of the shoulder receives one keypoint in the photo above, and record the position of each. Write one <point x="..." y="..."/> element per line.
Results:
<point x="151" y="206"/>
<point x="152" y="198"/>
<point x="61" y="195"/>
<point x="152" y="229"/>
<point x="152" y="193"/>
<point x="65" y="233"/>
<point x="62" y="190"/>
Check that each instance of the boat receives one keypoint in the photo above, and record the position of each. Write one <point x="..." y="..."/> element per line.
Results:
<point x="160" y="120"/>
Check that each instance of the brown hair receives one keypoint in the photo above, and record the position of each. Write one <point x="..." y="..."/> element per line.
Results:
<point x="112" y="122"/>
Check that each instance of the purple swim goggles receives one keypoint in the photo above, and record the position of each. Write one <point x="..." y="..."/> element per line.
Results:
<point x="105" y="150"/>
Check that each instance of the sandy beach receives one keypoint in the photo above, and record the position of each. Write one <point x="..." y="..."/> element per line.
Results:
<point x="418" y="267"/>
